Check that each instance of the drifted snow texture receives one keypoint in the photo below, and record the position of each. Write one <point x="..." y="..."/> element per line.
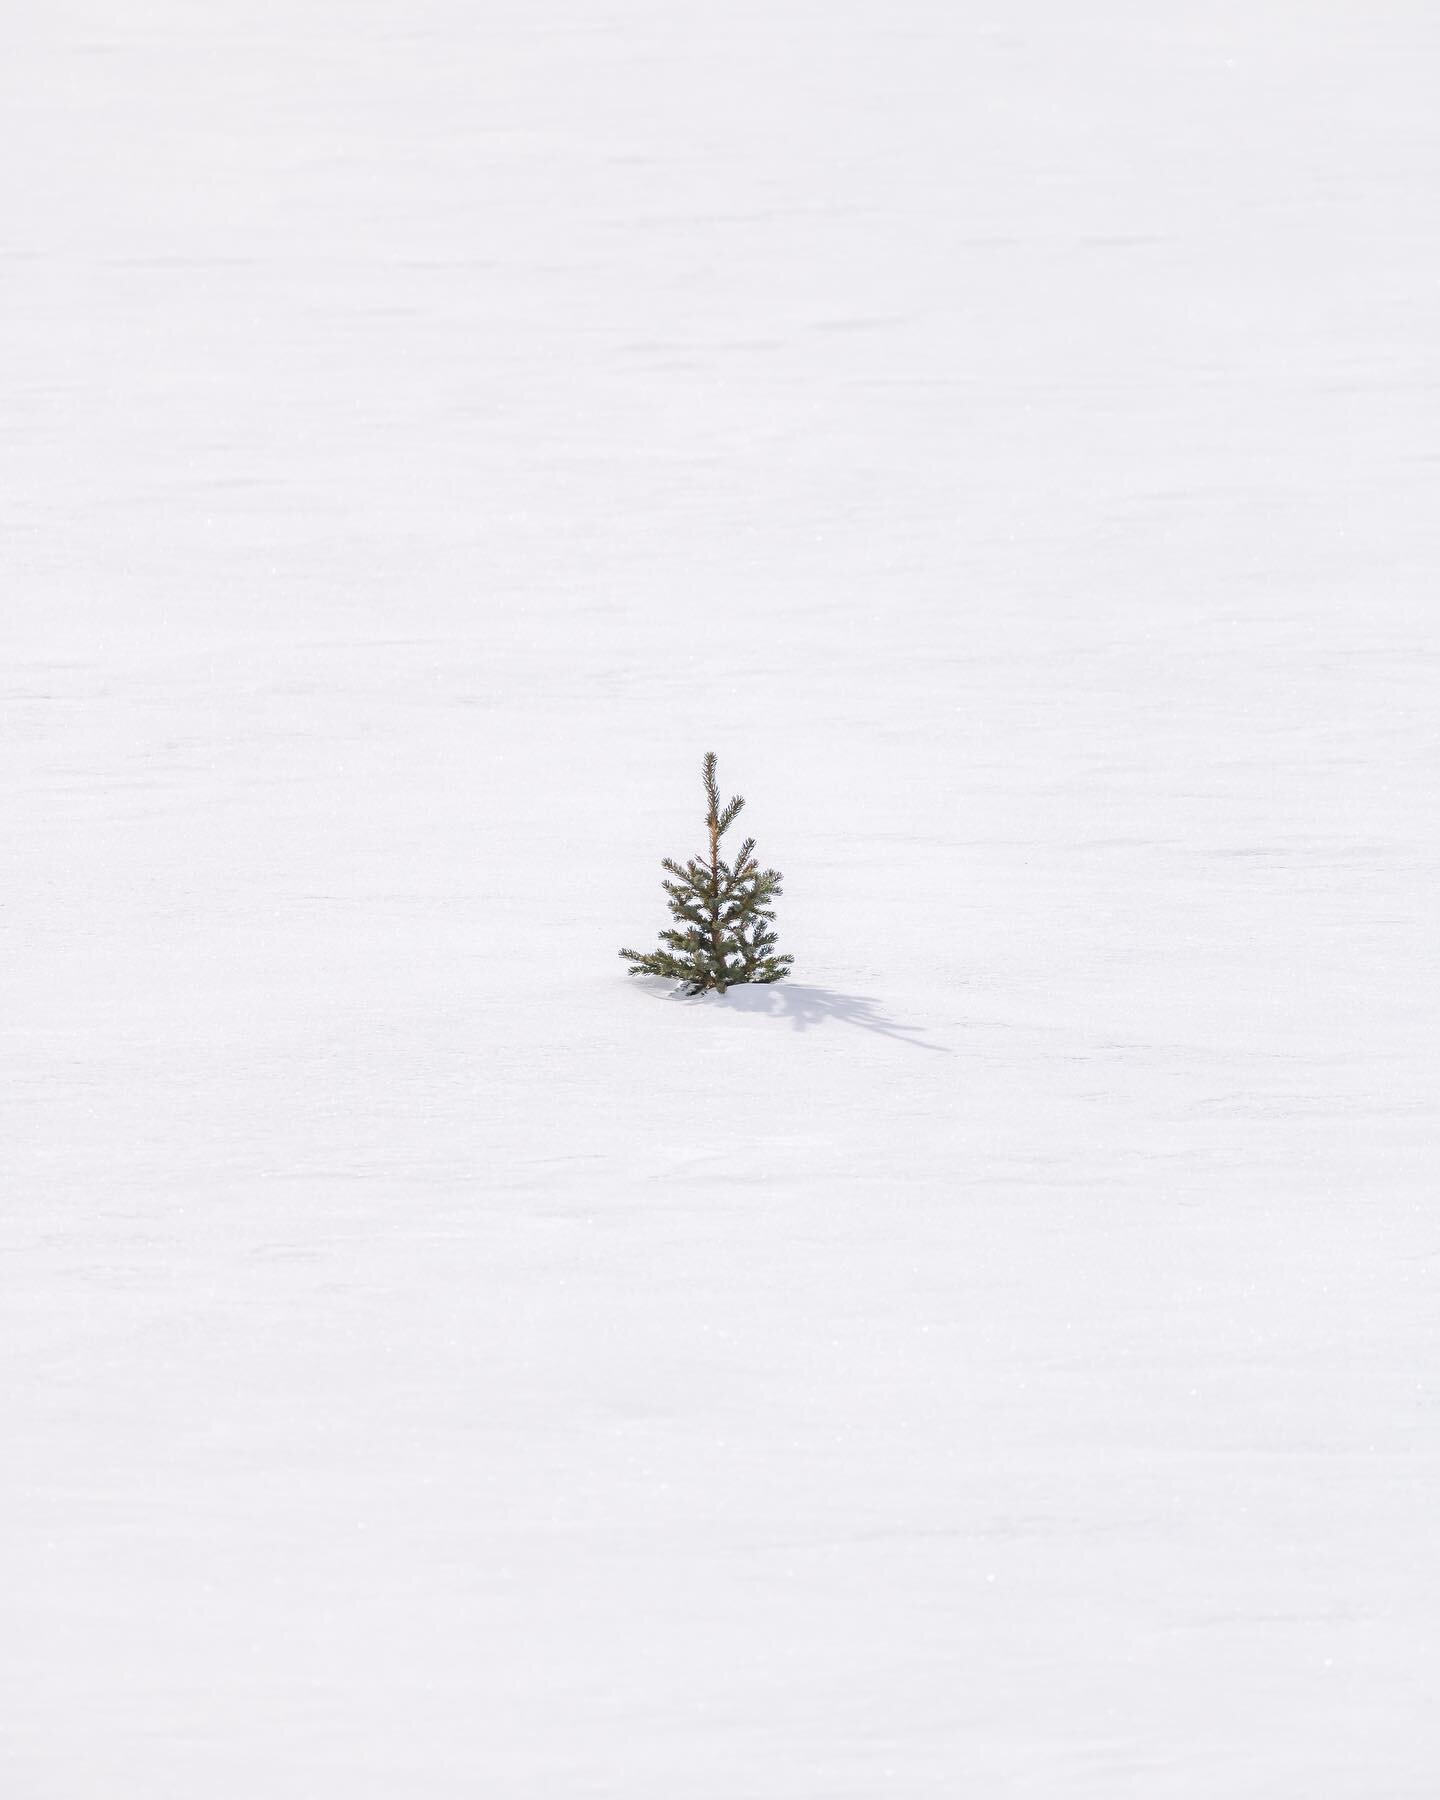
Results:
<point x="1001" y="1362"/>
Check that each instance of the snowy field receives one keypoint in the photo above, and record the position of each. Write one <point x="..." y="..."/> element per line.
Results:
<point x="1003" y="1363"/>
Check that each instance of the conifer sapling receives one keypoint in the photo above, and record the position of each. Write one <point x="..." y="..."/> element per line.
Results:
<point x="722" y="934"/>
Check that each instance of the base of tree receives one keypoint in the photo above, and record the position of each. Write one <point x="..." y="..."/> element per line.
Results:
<point x="704" y="981"/>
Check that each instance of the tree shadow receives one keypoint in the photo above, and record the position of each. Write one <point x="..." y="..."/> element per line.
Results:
<point x="805" y="1007"/>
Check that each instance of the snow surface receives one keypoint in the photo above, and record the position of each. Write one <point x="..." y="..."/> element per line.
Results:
<point x="1002" y="1363"/>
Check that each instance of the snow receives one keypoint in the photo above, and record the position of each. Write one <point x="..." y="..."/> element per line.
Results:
<point x="1001" y="1362"/>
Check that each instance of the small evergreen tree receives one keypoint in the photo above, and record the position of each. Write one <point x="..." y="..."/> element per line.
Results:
<point x="722" y="936"/>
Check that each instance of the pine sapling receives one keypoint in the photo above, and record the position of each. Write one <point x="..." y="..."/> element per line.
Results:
<point x="722" y="935"/>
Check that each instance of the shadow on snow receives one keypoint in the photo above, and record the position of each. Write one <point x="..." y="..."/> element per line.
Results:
<point x="805" y="1007"/>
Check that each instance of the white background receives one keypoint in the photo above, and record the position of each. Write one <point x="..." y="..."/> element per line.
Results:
<point x="1001" y="1362"/>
